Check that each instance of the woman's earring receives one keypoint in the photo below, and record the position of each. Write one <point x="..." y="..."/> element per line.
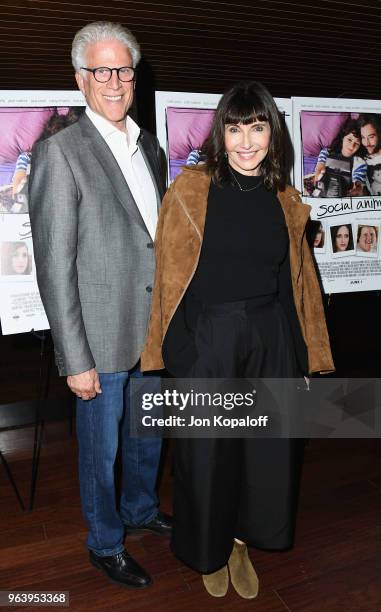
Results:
<point x="226" y="154"/>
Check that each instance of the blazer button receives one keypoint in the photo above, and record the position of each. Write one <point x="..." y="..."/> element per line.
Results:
<point x="149" y="288"/>
<point x="149" y="245"/>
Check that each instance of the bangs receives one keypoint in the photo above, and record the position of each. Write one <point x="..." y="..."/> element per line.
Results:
<point x="245" y="103"/>
<point x="246" y="109"/>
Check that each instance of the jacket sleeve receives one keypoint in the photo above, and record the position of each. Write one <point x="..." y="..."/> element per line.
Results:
<point x="53" y="202"/>
<point x="286" y="298"/>
<point x="151" y="357"/>
<point x="316" y="333"/>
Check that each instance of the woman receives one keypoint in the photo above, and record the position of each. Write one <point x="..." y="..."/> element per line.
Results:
<point x="15" y="259"/>
<point x="317" y="234"/>
<point x="342" y="239"/>
<point x="223" y="306"/>
<point x="338" y="160"/>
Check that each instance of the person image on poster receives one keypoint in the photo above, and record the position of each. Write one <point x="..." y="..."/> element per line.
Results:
<point x="15" y="259"/>
<point x="367" y="237"/>
<point x="342" y="238"/>
<point x="336" y="174"/>
<point x="374" y="176"/>
<point x="317" y="232"/>
<point x="20" y="178"/>
<point x="370" y="128"/>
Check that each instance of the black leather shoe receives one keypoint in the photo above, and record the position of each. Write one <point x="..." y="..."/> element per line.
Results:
<point x="123" y="569"/>
<point x="161" y="524"/>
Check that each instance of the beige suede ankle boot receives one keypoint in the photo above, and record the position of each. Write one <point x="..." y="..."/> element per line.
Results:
<point x="242" y="574"/>
<point x="217" y="583"/>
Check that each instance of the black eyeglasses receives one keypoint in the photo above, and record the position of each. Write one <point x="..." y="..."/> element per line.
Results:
<point x="104" y="74"/>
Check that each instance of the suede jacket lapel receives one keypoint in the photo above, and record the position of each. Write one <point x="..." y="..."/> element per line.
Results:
<point x="194" y="199"/>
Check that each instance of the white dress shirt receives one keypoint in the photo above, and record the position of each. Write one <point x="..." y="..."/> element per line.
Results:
<point x="125" y="149"/>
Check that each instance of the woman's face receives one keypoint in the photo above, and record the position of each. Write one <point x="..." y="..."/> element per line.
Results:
<point x="247" y="146"/>
<point x="351" y="145"/>
<point x="20" y="260"/>
<point x="318" y="237"/>
<point x="367" y="238"/>
<point x="342" y="238"/>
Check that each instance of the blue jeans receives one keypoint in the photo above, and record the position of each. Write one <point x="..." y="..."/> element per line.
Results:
<point x="101" y="423"/>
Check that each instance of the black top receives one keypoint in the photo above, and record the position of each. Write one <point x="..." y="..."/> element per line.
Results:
<point x="245" y="241"/>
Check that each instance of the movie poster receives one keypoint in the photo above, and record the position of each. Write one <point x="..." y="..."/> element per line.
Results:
<point x="25" y="117"/>
<point x="183" y="122"/>
<point x="338" y="172"/>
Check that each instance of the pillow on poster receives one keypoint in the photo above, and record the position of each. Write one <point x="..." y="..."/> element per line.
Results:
<point x="19" y="130"/>
<point x="319" y="129"/>
<point x="187" y="130"/>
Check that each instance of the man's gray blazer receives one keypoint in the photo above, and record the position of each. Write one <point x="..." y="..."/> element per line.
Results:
<point x="94" y="256"/>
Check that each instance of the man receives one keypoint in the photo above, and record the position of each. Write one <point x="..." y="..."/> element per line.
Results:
<point x="94" y="198"/>
<point x="371" y="139"/>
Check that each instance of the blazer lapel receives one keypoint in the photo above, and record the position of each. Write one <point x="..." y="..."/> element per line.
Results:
<point x="102" y="152"/>
<point x="146" y="152"/>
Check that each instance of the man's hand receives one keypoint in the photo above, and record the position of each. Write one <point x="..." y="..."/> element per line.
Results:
<point x="85" y="385"/>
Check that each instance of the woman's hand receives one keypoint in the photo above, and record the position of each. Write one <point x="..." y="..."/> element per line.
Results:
<point x="19" y="180"/>
<point x="357" y="189"/>
<point x="319" y="171"/>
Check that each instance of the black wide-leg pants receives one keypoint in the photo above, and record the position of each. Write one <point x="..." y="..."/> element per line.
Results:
<point x="237" y="488"/>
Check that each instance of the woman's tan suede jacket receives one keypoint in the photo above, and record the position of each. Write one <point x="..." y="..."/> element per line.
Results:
<point x="178" y="245"/>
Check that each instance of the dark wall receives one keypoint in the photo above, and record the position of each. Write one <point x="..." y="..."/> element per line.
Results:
<point x="328" y="48"/>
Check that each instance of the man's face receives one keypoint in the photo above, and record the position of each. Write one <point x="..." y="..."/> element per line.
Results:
<point x="113" y="99"/>
<point x="369" y="138"/>
<point x="367" y="240"/>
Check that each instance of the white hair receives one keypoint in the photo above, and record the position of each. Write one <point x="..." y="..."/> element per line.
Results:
<point x="98" y="31"/>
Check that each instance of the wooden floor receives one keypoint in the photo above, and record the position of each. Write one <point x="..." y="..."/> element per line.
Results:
<point x="335" y="565"/>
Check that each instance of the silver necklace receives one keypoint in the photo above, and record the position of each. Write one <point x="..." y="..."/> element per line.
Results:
<point x="240" y="186"/>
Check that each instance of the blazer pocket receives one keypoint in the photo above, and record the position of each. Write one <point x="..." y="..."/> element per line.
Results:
<point x="95" y="293"/>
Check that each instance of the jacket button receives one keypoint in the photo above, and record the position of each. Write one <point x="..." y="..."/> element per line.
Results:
<point x="149" y="245"/>
<point x="149" y="288"/>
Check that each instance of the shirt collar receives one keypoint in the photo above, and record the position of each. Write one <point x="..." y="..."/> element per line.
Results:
<point x="106" y="128"/>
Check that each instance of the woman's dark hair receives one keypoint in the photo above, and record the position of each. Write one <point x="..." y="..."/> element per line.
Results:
<point x="246" y="102"/>
<point x="54" y="124"/>
<point x="351" y="126"/>
<point x="73" y="114"/>
<point x="334" y="232"/>
<point x="58" y="122"/>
